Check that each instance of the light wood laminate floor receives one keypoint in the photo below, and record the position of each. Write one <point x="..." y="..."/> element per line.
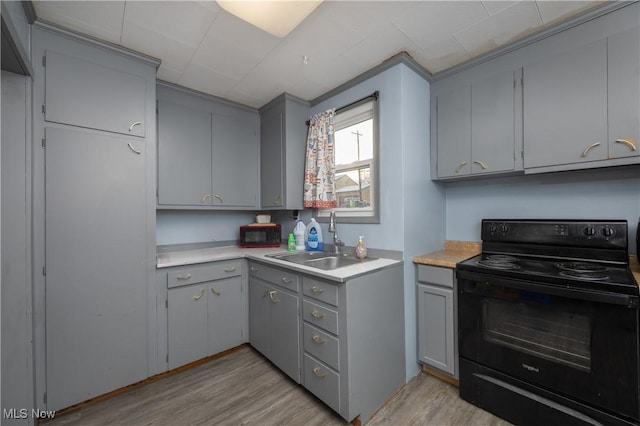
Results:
<point x="243" y="388"/>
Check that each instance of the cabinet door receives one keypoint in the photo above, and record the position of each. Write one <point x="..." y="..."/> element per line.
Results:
<point x="624" y="92"/>
<point x="436" y="327"/>
<point x="271" y="146"/>
<point x="187" y="324"/>
<point x="285" y="332"/>
<point x="492" y="124"/>
<point x="259" y="316"/>
<point x="235" y="160"/>
<point x="85" y="94"/>
<point x="184" y="155"/>
<point x="95" y="248"/>
<point x="565" y="107"/>
<point x="226" y="314"/>
<point x="454" y="132"/>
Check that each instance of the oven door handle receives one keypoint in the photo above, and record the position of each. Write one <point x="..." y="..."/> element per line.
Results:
<point x="629" y="301"/>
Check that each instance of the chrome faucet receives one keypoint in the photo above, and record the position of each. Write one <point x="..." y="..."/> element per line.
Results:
<point x="337" y="242"/>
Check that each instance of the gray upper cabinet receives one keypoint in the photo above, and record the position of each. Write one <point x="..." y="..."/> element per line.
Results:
<point x="283" y="134"/>
<point x="86" y="94"/>
<point x="475" y="127"/>
<point x="184" y="155"/>
<point x="207" y="152"/>
<point x="623" y="94"/>
<point x="565" y="107"/>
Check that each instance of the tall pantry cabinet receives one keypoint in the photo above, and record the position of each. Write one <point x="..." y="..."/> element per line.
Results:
<point x="94" y="217"/>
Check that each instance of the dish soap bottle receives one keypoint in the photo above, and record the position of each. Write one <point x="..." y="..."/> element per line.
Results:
<point x="298" y="232"/>
<point x="313" y="237"/>
<point x="361" y="250"/>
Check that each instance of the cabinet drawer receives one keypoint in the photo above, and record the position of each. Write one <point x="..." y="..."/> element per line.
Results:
<point x="321" y="381"/>
<point x="320" y="290"/>
<point x="201" y="274"/>
<point x="319" y="316"/>
<point x="435" y="275"/>
<point x="274" y="275"/>
<point x="322" y="346"/>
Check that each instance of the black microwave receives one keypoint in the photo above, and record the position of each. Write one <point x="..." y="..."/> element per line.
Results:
<point x="260" y="235"/>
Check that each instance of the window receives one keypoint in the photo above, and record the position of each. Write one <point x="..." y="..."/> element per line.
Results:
<point x="356" y="154"/>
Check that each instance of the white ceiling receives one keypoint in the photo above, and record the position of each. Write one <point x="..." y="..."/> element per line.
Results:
<point x="203" y="47"/>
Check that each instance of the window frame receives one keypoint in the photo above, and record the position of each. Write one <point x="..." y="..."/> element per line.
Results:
<point x="356" y="113"/>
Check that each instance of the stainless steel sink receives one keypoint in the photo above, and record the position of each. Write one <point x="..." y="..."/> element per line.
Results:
<point x="319" y="259"/>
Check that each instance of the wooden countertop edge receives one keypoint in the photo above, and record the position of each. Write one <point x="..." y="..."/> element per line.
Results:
<point x="635" y="267"/>
<point x="453" y="252"/>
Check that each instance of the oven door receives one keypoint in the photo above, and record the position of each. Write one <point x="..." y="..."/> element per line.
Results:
<point x="579" y="344"/>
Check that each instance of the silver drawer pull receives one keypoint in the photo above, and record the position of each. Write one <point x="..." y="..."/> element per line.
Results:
<point x="277" y="201"/>
<point x="214" y="291"/>
<point x="271" y="294"/>
<point x="317" y="314"/>
<point x="317" y="290"/>
<point x="317" y="339"/>
<point x="318" y="372"/>
<point x="287" y="280"/>
<point x="134" y="124"/>
<point x="184" y="277"/>
<point x="219" y="197"/>
<point x="589" y="148"/>
<point x="204" y="198"/>
<point x="628" y="142"/>
<point x="232" y="269"/>
<point x="198" y="296"/>
<point x="133" y="149"/>
<point x="481" y="164"/>
<point x="254" y="269"/>
<point x="461" y="165"/>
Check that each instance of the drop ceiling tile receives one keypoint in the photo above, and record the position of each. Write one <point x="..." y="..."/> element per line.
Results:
<point x="168" y="74"/>
<point x="223" y="58"/>
<point x="205" y="80"/>
<point x="441" y="54"/>
<point x="507" y="26"/>
<point x="235" y="32"/>
<point x="496" y="6"/>
<point x="101" y="19"/>
<point x="363" y="18"/>
<point x="428" y="22"/>
<point x="184" y="21"/>
<point x="378" y="47"/>
<point x="171" y="52"/>
<point x="553" y="11"/>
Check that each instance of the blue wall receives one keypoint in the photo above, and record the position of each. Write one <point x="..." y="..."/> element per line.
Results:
<point x="183" y="226"/>
<point x="612" y="193"/>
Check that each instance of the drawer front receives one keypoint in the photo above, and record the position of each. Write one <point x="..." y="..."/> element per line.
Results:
<point x="276" y="276"/>
<point x="436" y="275"/>
<point x="319" y="316"/>
<point x="321" y="381"/>
<point x="320" y="290"/>
<point x="193" y="275"/>
<point x="322" y="346"/>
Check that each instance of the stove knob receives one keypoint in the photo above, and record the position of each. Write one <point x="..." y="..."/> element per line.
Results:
<point x="589" y="231"/>
<point x="493" y="228"/>
<point x="608" y="232"/>
<point x="504" y="228"/>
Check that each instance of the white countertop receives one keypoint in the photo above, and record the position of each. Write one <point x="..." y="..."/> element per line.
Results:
<point x="167" y="259"/>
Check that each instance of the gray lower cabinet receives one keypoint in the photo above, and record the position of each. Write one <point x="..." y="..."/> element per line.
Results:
<point x="205" y="310"/>
<point x="207" y="152"/>
<point x="475" y="126"/>
<point x="352" y="333"/>
<point x="274" y="316"/>
<point x="437" y="318"/>
<point x="283" y="134"/>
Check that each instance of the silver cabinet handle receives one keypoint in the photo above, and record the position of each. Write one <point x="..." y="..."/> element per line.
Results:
<point x="319" y="340"/>
<point x="461" y="165"/>
<point x="318" y="372"/>
<point x="204" y="198"/>
<point x="219" y="197"/>
<point x="134" y="124"/>
<point x="481" y="164"/>
<point x="253" y="269"/>
<point x="589" y="148"/>
<point x="133" y="149"/>
<point x="232" y="269"/>
<point x="286" y="280"/>
<point x="628" y="142"/>
<point x="271" y="294"/>
<point x="317" y="290"/>
<point x="198" y="296"/>
<point x="277" y="201"/>
<point x="217" y="293"/>
<point x="317" y="314"/>
<point x="184" y="277"/>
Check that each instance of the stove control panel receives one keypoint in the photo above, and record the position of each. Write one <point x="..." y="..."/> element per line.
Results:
<point x="583" y="233"/>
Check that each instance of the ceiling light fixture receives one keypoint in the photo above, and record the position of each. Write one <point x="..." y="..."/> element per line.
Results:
<point x="277" y="17"/>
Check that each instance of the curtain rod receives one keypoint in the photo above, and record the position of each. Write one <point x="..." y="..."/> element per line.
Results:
<point x="375" y="95"/>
